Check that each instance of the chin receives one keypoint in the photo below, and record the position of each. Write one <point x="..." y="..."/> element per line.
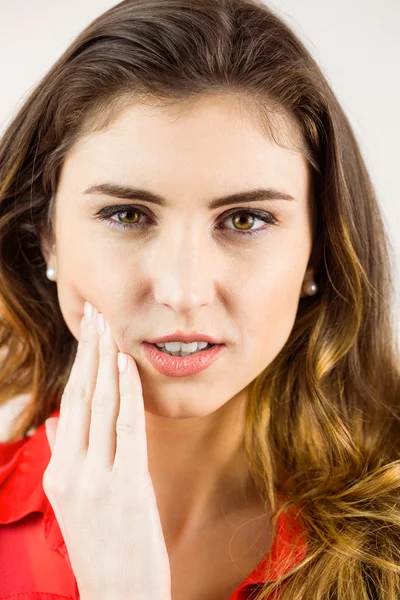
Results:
<point x="177" y="408"/>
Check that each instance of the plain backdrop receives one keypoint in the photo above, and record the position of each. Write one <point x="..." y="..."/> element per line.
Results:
<point x="355" y="42"/>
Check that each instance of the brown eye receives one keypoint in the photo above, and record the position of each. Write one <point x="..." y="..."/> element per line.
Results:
<point x="131" y="219"/>
<point x="242" y="221"/>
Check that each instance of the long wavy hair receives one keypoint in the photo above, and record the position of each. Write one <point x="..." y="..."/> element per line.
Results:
<point x="325" y="412"/>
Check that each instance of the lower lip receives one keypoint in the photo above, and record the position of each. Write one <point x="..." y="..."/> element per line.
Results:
<point x="182" y="366"/>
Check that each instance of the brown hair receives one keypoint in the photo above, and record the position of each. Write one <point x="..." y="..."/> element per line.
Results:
<point x="326" y="411"/>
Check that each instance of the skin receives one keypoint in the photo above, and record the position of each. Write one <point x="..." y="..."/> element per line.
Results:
<point x="180" y="272"/>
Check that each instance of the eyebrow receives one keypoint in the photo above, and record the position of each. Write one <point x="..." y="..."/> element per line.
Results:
<point x="130" y="193"/>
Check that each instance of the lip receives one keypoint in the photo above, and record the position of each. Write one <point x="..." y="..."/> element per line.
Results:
<point x="182" y="366"/>
<point x="179" y="336"/>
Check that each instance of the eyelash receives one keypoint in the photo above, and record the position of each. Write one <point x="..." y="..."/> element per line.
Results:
<point x="109" y="211"/>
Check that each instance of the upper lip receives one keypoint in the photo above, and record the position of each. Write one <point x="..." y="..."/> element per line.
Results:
<point x="179" y="336"/>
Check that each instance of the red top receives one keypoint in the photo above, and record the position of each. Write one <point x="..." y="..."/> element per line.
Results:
<point x="34" y="562"/>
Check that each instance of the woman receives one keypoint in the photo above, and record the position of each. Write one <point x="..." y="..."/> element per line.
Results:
<point x="224" y="418"/>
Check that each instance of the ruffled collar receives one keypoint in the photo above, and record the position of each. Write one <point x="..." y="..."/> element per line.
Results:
<point x="23" y="462"/>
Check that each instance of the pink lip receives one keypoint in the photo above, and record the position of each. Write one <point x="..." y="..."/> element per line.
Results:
<point x="182" y="366"/>
<point x="179" y="336"/>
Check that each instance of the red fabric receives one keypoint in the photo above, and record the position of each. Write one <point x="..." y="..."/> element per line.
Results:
<point x="34" y="562"/>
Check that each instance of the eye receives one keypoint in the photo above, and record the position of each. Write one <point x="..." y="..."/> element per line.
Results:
<point x="247" y="218"/>
<point x="243" y="220"/>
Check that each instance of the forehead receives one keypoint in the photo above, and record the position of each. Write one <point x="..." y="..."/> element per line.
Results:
<point x="209" y="139"/>
<point x="208" y="117"/>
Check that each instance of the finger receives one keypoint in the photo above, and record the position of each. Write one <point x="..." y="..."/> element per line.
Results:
<point x="61" y="433"/>
<point x="105" y="402"/>
<point x="74" y="420"/>
<point x="131" y="440"/>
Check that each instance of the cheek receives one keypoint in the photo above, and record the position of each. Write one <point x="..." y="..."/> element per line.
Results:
<point x="86" y="275"/>
<point x="268" y="312"/>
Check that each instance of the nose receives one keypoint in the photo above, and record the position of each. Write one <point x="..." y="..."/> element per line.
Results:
<point x="183" y="270"/>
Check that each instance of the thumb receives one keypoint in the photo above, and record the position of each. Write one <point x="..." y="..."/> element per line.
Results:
<point x="51" y="429"/>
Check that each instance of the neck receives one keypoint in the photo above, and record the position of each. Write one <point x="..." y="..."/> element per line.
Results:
<point x="198" y="468"/>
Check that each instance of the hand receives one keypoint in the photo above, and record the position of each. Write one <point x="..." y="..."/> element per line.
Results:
<point x="97" y="480"/>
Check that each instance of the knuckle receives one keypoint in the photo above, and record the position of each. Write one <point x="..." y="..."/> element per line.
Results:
<point x="124" y="427"/>
<point x="55" y="483"/>
<point x="74" y="393"/>
<point x="100" y="402"/>
<point x="81" y="393"/>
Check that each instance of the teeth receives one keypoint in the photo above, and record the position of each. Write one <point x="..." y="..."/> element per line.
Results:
<point x="182" y="347"/>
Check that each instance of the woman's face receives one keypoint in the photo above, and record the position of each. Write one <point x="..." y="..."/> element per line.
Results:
<point x="185" y="266"/>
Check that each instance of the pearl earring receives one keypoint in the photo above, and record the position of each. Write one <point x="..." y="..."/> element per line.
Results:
<point x="310" y="288"/>
<point x="51" y="274"/>
<point x="51" y="271"/>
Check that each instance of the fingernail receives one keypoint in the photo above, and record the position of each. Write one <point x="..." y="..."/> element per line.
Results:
<point x="89" y="311"/>
<point x="101" y="323"/>
<point x="122" y="362"/>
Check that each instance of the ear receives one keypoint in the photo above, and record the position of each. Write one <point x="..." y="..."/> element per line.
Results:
<point x="46" y="245"/>
<point x="314" y="262"/>
<point x="309" y="274"/>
